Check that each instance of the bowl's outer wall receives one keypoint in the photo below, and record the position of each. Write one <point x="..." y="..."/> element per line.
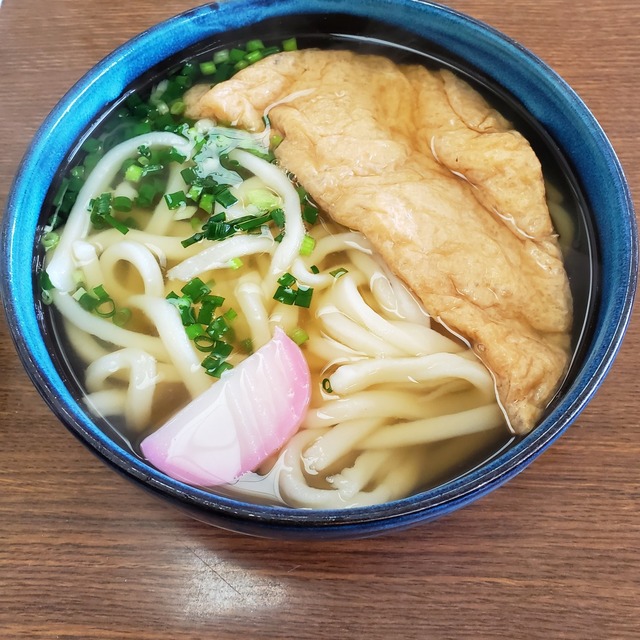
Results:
<point x="544" y="94"/>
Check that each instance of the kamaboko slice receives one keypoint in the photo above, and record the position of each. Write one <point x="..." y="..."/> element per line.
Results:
<point x="239" y="422"/>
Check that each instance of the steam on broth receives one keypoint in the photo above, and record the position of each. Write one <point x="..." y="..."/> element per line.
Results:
<point x="176" y="249"/>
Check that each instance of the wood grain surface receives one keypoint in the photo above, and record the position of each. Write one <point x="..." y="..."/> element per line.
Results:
<point x="553" y="554"/>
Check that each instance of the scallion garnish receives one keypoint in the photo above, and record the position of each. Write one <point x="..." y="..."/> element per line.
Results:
<point x="133" y="173"/>
<point x="195" y="289"/>
<point x="50" y="240"/>
<point x="254" y="45"/>
<point x="285" y="295"/>
<point x="175" y="200"/>
<point x="336" y="273"/>
<point x="290" y="44"/>
<point x="326" y="385"/>
<point x="299" y="336"/>
<point x="207" y="68"/>
<point x="307" y="245"/>
<point x="286" y="280"/>
<point x="121" y="317"/>
<point x="122" y="203"/>
<point x="303" y="297"/>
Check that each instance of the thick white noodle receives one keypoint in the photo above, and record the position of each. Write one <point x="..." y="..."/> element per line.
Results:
<point x="86" y="259"/>
<point x="60" y="269"/>
<point x="252" y="304"/>
<point x="139" y="257"/>
<point x="351" y="303"/>
<point x="348" y="332"/>
<point x="105" y="329"/>
<point x="143" y="377"/>
<point x="337" y="442"/>
<point x="165" y="248"/>
<point x="365" y="404"/>
<point x="110" y="402"/>
<point x="276" y="179"/>
<point x="162" y="217"/>
<point x="423" y="369"/>
<point x="337" y="242"/>
<point x="433" y="429"/>
<point x="218" y="255"/>
<point x="186" y="360"/>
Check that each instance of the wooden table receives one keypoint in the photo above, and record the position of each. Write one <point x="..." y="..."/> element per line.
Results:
<point x="554" y="554"/>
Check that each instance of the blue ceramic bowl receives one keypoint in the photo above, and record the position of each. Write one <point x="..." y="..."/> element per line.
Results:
<point x="502" y="64"/>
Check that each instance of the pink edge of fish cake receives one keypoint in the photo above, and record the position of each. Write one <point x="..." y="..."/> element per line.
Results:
<point x="239" y="421"/>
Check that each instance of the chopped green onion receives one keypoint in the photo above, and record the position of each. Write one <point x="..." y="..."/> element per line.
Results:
<point x="230" y="315"/>
<point x="338" y="272"/>
<point x="222" y="349"/>
<point x="146" y="194"/>
<point x="286" y="280"/>
<point x="307" y="246"/>
<point x="121" y="317"/>
<point x="277" y="215"/>
<point x="133" y="173"/>
<point x="91" y="145"/>
<point x="194" y="330"/>
<point x="253" y="57"/>
<point x="235" y="263"/>
<point x="310" y="213"/>
<point x="239" y="66"/>
<point x="203" y="342"/>
<point x="221" y="56"/>
<point x="195" y="192"/>
<point x="106" y="308"/>
<point x="206" y="203"/>
<point x="299" y="336"/>
<point x="218" y="328"/>
<point x="175" y="156"/>
<point x="218" y="371"/>
<point x="254" y="45"/>
<point x="189" y="175"/>
<point x="236" y="55"/>
<point x="195" y="289"/>
<point x="101" y="293"/>
<point x="177" y="108"/>
<point x="314" y="269"/>
<point x="122" y="203"/>
<point x="175" y="200"/>
<point x="291" y="44"/>
<point x="190" y="70"/>
<point x="303" y="297"/>
<point x="44" y="281"/>
<point x="285" y="295"/>
<point x="50" y="240"/>
<point x="225" y="197"/>
<point x="276" y="140"/>
<point x="270" y="50"/>
<point x="116" y="224"/>
<point x="183" y="305"/>
<point x="326" y="385"/>
<point x="247" y="346"/>
<point x="207" y="68"/>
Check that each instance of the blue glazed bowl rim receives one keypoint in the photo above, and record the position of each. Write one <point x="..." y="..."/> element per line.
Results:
<point x="513" y="67"/>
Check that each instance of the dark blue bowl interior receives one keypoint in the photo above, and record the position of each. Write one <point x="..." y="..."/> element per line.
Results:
<point x="503" y="66"/>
